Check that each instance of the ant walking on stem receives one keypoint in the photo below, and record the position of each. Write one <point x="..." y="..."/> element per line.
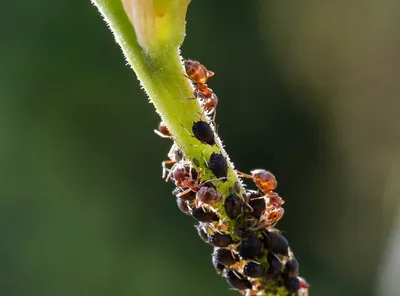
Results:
<point x="186" y="177"/>
<point x="266" y="182"/>
<point x="198" y="75"/>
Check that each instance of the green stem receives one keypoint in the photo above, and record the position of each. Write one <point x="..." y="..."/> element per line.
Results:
<point x="155" y="59"/>
<point x="161" y="74"/>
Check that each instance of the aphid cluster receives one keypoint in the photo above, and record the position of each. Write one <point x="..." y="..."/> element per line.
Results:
<point x="252" y="255"/>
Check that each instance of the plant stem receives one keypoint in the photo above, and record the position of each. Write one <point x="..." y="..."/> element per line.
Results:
<point x="161" y="75"/>
<point x="158" y="66"/>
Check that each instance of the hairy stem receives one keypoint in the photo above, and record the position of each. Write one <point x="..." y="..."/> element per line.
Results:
<point x="150" y="33"/>
<point x="161" y="74"/>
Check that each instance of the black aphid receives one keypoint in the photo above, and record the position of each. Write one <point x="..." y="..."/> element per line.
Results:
<point x="203" y="132"/>
<point x="253" y="270"/>
<point x="292" y="284"/>
<point x="234" y="206"/>
<point x="225" y="256"/>
<point x="218" y="166"/>
<point x="276" y="243"/>
<point x="237" y="283"/>
<point x="292" y="268"/>
<point x="258" y="205"/>
<point x="219" y="268"/>
<point x="182" y="205"/>
<point x="220" y="240"/>
<point x="202" y="216"/>
<point x="274" y="266"/>
<point x="203" y="235"/>
<point x="251" y="248"/>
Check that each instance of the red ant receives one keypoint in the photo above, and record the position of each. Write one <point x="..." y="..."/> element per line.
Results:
<point x="185" y="176"/>
<point x="163" y="131"/>
<point x="196" y="72"/>
<point x="269" y="217"/>
<point x="266" y="182"/>
<point x="198" y="75"/>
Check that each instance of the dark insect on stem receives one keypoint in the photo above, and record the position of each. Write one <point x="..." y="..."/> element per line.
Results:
<point x="225" y="256"/>
<point x="258" y="205"/>
<point x="219" y="268"/>
<point x="276" y="243"/>
<point x="253" y="270"/>
<point x="218" y="166"/>
<point x="237" y="282"/>
<point x="202" y="234"/>
<point x="183" y="206"/>
<point x="292" y="268"/>
<point x="274" y="266"/>
<point x="251" y="248"/>
<point x="203" y="132"/>
<point x="220" y="240"/>
<point x="202" y="215"/>
<point x="292" y="284"/>
<point x="234" y="206"/>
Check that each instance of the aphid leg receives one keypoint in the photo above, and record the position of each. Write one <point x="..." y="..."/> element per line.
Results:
<point x="236" y="274"/>
<point x="198" y="203"/>
<point x="250" y="207"/>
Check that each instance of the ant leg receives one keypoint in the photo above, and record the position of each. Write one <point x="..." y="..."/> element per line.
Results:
<point x="170" y="172"/>
<point x="205" y="160"/>
<point x="186" y="129"/>
<point x="214" y="115"/>
<point x="243" y="175"/>
<point x="261" y="197"/>
<point x="161" y="135"/>
<point x="184" y="192"/>
<point x="198" y="175"/>
<point x="213" y="180"/>
<point x="164" y="166"/>
<point x="171" y="153"/>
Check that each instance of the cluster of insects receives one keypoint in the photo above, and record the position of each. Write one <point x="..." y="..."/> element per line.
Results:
<point x="252" y="255"/>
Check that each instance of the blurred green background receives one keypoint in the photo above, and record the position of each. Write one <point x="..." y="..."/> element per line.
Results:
<point x="308" y="89"/>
